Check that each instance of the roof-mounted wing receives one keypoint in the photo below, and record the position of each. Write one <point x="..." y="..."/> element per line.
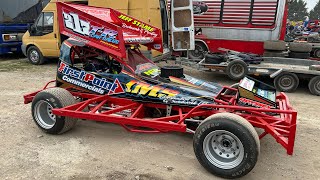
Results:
<point x="106" y="28"/>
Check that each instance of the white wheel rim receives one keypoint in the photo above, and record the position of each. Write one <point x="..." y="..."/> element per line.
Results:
<point x="43" y="114"/>
<point x="34" y="56"/>
<point x="223" y="149"/>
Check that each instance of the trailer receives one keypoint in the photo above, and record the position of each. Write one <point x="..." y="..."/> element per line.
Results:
<point x="285" y="72"/>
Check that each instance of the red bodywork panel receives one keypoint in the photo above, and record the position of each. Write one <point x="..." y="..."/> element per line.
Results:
<point x="106" y="29"/>
<point x="236" y="45"/>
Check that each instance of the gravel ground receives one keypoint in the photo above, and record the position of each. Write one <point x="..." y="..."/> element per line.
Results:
<point x="106" y="151"/>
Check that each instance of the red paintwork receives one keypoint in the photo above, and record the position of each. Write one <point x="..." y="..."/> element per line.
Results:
<point x="282" y="127"/>
<point x="241" y="46"/>
<point x="284" y="23"/>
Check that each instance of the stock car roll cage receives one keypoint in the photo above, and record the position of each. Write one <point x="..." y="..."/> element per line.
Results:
<point x="131" y="114"/>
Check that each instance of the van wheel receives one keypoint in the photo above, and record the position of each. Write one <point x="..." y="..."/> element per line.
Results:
<point x="199" y="51"/>
<point x="226" y="145"/>
<point x="35" y="56"/>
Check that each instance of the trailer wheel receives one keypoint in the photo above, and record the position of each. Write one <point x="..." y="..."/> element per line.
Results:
<point x="317" y="53"/>
<point x="42" y="106"/>
<point x="286" y="82"/>
<point x="226" y="145"/>
<point x="199" y="51"/>
<point x="314" y="86"/>
<point x="237" y="69"/>
<point x="35" y="56"/>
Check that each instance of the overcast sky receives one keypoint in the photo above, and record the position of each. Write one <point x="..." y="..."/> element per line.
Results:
<point x="311" y="3"/>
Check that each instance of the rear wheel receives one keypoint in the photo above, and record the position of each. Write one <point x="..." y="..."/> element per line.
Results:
<point x="286" y="82"/>
<point x="314" y="86"/>
<point x="226" y="145"/>
<point x="199" y="51"/>
<point x="42" y="106"/>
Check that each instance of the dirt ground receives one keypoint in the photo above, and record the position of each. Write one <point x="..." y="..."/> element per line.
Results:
<point x="106" y="151"/>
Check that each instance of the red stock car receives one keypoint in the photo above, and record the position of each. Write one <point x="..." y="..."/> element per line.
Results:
<point x="104" y="77"/>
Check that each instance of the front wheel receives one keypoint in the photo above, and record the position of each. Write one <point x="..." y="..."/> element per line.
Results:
<point x="35" y="56"/>
<point x="226" y="145"/>
<point x="42" y="106"/>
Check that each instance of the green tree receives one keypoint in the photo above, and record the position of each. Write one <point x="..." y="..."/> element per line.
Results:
<point x="315" y="12"/>
<point x="297" y="10"/>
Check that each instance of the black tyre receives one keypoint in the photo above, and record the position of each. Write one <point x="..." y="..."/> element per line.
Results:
<point x="300" y="47"/>
<point x="42" y="106"/>
<point x="286" y="82"/>
<point x="199" y="51"/>
<point x="314" y="86"/>
<point x="226" y="145"/>
<point x="316" y="53"/>
<point x="300" y="55"/>
<point x="35" y="56"/>
<point x="274" y="54"/>
<point x="274" y="45"/>
<point x="175" y="71"/>
<point x="237" y="69"/>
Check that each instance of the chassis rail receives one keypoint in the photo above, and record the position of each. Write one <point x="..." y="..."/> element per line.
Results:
<point x="279" y="123"/>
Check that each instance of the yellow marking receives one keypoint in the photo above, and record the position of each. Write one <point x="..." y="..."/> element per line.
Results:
<point x="129" y="85"/>
<point x="145" y="88"/>
<point x="151" y="71"/>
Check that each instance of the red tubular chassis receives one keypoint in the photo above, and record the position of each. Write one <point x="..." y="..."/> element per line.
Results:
<point x="279" y="123"/>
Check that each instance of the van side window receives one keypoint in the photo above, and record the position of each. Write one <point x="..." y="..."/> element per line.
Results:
<point x="44" y="24"/>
